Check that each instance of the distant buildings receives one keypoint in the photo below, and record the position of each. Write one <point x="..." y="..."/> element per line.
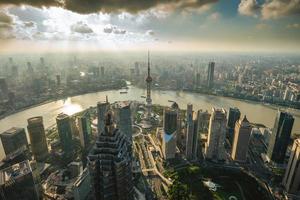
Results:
<point x="13" y="139"/>
<point x="37" y="138"/>
<point x="210" y="74"/>
<point x="64" y="128"/>
<point x="280" y="137"/>
<point x="109" y="164"/>
<point x="241" y="139"/>
<point x="85" y="129"/>
<point x="291" y="179"/>
<point x="3" y="88"/>
<point x="169" y="133"/>
<point x="17" y="182"/>
<point x="214" y="148"/>
<point x="102" y="108"/>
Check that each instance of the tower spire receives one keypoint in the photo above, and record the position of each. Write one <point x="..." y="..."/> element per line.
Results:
<point x="148" y="63"/>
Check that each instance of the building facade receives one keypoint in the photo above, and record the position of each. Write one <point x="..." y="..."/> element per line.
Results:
<point x="291" y="179"/>
<point x="210" y="74"/>
<point x="85" y="129"/>
<point x="169" y="133"/>
<point x="13" y="139"/>
<point x="242" y="133"/>
<point x="37" y="138"/>
<point x="102" y="108"/>
<point x="64" y="128"/>
<point x="124" y="121"/>
<point x="280" y="137"/>
<point x="214" y="147"/>
<point x="17" y="182"/>
<point x="109" y="164"/>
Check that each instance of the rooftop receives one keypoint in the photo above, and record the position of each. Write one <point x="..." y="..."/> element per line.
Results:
<point x="12" y="131"/>
<point x="14" y="172"/>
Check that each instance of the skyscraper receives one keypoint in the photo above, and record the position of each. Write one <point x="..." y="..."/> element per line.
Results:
<point x="109" y="164"/>
<point x="17" y="182"/>
<point x="210" y="74"/>
<point x="233" y="116"/>
<point x="124" y="119"/>
<point x="37" y="138"/>
<point x="85" y="129"/>
<point x="13" y="139"/>
<point x="149" y="81"/>
<point x="280" y="137"/>
<point x="192" y="137"/>
<point x="102" y="108"/>
<point x="291" y="179"/>
<point x="214" y="147"/>
<point x="241" y="139"/>
<point x="64" y="129"/>
<point x="169" y="133"/>
<point x="189" y="131"/>
<point x="3" y="88"/>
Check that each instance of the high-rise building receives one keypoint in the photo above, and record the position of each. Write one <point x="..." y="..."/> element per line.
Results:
<point x="280" y="137"/>
<point x="109" y="164"/>
<point x="241" y="139"/>
<point x="3" y="88"/>
<point x="148" y="98"/>
<point x="204" y="117"/>
<point x="192" y="142"/>
<point x="197" y="82"/>
<point x="123" y="116"/>
<point x="189" y="131"/>
<point x="37" y="138"/>
<point x="63" y="122"/>
<point x="13" y="139"/>
<point x="82" y="186"/>
<point x="214" y="147"/>
<point x="17" y="182"/>
<point x="291" y="179"/>
<point x="85" y="129"/>
<point x="234" y="115"/>
<point x="102" y="71"/>
<point x="102" y="108"/>
<point x="210" y="74"/>
<point x="169" y="133"/>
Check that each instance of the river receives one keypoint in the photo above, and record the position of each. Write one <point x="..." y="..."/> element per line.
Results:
<point x="255" y="112"/>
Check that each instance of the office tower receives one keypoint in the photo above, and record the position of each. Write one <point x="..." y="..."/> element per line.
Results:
<point x="3" y="88"/>
<point x="137" y="69"/>
<point x="124" y="119"/>
<point x="82" y="187"/>
<point x="192" y="137"/>
<point x="233" y="116"/>
<point x="291" y="179"/>
<point x="189" y="131"/>
<point x="85" y="129"/>
<point x="197" y="82"/>
<point x="210" y="74"/>
<point x="203" y="121"/>
<point x="280" y="137"/>
<point x="214" y="147"/>
<point x="102" y="71"/>
<point x="13" y="139"/>
<point x="17" y="182"/>
<point x="29" y="69"/>
<point x="63" y="122"/>
<point x="102" y="108"/>
<point x="37" y="138"/>
<point x="169" y="133"/>
<point x="58" y="81"/>
<point x="109" y="164"/>
<point x="241" y="139"/>
<point x="148" y="99"/>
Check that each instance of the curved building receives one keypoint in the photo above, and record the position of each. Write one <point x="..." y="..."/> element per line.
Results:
<point x="37" y="137"/>
<point x="109" y="164"/>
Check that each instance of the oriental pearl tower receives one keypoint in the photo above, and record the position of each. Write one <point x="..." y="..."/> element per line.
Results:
<point x="148" y="99"/>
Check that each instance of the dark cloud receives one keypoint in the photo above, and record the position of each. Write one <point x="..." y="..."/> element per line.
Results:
<point x="5" y="18"/>
<point x="81" y="27"/>
<point x="150" y="32"/>
<point x="35" y="3"/>
<point x="113" y="29"/>
<point x="29" y="24"/>
<point x="108" y="29"/>
<point x="119" y="31"/>
<point x="108" y="6"/>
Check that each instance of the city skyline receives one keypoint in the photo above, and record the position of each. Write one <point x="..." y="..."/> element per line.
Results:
<point x="193" y="25"/>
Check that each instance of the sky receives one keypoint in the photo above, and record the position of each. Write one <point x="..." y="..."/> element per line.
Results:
<point x="158" y="25"/>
